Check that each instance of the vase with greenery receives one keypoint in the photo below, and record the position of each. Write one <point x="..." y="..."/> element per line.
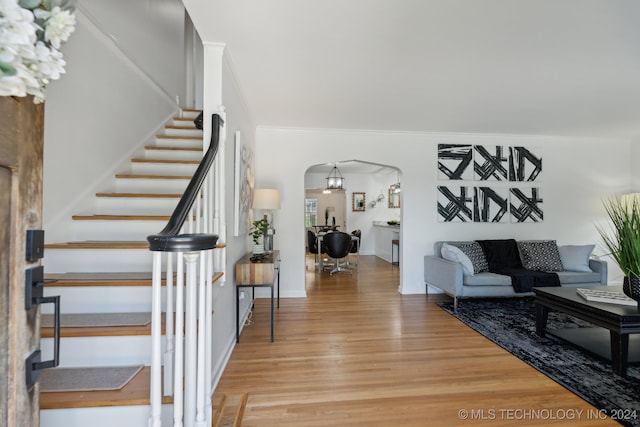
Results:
<point x="257" y="232"/>
<point x="623" y="241"/>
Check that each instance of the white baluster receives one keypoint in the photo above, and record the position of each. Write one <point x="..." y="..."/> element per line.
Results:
<point x="205" y="206"/>
<point x="168" y="354"/>
<point x="178" y="380"/>
<point x="200" y="415"/>
<point x="209" y="333"/>
<point x="155" y="419"/>
<point x="190" y="220"/>
<point x="191" y="344"/>
<point x="197" y="213"/>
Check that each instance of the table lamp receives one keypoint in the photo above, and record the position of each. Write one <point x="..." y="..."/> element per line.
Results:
<point x="267" y="199"/>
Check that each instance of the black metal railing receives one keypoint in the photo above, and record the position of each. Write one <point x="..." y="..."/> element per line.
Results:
<point x="168" y="240"/>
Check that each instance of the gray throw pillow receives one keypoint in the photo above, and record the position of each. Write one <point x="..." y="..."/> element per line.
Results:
<point x="575" y="257"/>
<point x="454" y="253"/>
<point x="540" y="255"/>
<point x="473" y="250"/>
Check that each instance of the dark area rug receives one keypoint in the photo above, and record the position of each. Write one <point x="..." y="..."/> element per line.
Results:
<point x="510" y="323"/>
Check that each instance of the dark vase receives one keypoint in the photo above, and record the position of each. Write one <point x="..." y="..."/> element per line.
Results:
<point x="631" y="288"/>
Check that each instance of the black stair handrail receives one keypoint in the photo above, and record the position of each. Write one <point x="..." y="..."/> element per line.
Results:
<point x="168" y="239"/>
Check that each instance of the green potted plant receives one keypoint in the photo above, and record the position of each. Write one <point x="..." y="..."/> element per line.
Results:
<point x="623" y="241"/>
<point x="257" y="232"/>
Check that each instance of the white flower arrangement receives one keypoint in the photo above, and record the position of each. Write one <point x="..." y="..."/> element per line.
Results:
<point x="31" y="33"/>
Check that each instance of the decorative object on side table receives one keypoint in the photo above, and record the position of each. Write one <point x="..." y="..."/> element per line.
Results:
<point x="624" y="243"/>
<point x="267" y="199"/>
<point x="257" y="232"/>
<point x="31" y="33"/>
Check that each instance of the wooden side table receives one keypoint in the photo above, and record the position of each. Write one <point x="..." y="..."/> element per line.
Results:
<point x="261" y="274"/>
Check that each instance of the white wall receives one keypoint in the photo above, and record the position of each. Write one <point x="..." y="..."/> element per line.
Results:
<point x="151" y="33"/>
<point x="104" y="108"/>
<point x="634" y="158"/>
<point x="577" y="174"/>
<point x="238" y="119"/>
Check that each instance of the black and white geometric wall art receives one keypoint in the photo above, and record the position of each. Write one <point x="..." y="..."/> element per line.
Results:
<point x="490" y="204"/>
<point x="496" y="203"/>
<point x="526" y="205"/>
<point x="455" y="204"/>
<point x="455" y="161"/>
<point x="524" y="164"/>
<point x="490" y="163"/>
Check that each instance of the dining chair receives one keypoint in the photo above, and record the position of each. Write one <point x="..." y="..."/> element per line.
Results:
<point x="355" y="248"/>
<point x="337" y="245"/>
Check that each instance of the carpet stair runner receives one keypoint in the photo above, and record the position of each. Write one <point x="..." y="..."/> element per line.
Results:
<point x="104" y="272"/>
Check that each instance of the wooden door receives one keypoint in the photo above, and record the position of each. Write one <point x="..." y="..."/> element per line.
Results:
<point x="21" y="139"/>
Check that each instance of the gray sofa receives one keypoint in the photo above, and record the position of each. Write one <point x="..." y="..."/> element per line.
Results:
<point x="448" y="276"/>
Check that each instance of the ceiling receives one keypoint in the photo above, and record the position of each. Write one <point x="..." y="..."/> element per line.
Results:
<point x="546" y="67"/>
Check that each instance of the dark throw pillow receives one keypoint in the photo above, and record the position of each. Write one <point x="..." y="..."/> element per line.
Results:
<point x="501" y="254"/>
<point x="540" y="255"/>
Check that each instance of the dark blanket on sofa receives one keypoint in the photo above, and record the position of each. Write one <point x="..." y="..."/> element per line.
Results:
<point x="503" y="258"/>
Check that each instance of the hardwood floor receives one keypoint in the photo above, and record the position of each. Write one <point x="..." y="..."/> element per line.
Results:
<point x="355" y="352"/>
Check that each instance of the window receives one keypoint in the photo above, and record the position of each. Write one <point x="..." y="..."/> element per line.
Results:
<point x="310" y="212"/>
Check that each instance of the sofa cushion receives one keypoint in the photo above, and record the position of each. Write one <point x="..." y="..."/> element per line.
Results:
<point x="574" y="277"/>
<point x="540" y="255"/>
<point x="475" y="254"/>
<point x="454" y="253"/>
<point x="575" y="257"/>
<point x="487" y="279"/>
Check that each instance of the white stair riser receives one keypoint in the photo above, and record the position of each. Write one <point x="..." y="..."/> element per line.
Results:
<point x="146" y="168"/>
<point x="189" y="114"/>
<point x="97" y="260"/>
<point x="101" y="351"/>
<point x="182" y="132"/>
<point x="108" y="416"/>
<point x="173" y="154"/>
<point x="100" y="299"/>
<point x="115" y="230"/>
<point x="178" y="142"/>
<point x="141" y="185"/>
<point x="185" y="122"/>
<point x="135" y="205"/>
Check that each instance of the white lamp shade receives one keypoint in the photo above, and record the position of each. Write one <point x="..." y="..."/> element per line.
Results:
<point x="266" y="198"/>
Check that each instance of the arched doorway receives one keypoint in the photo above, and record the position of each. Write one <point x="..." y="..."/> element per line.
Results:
<point x="367" y="199"/>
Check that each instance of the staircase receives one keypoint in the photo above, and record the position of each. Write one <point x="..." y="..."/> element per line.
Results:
<point x="107" y="268"/>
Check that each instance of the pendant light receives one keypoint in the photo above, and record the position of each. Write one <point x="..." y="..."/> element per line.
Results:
<point x="335" y="180"/>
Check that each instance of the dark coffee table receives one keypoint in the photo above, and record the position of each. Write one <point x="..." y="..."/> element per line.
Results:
<point x="619" y="320"/>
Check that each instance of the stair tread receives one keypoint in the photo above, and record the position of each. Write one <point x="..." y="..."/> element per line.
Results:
<point x="99" y="244"/>
<point x="172" y="148"/>
<point x="141" y="195"/>
<point x="182" y="127"/>
<point x="141" y="278"/>
<point x="136" y="176"/>
<point x="186" y="162"/>
<point x="179" y="137"/>
<point x="123" y="217"/>
<point x="106" y="244"/>
<point x="135" y="392"/>
<point x="99" y="331"/>
<point x="72" y="279"/>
